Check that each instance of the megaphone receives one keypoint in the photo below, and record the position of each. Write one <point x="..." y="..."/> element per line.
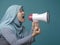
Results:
<point x="37" y="17"/>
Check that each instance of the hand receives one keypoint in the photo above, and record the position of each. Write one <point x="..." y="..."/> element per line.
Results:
<point x="35" y="28"/>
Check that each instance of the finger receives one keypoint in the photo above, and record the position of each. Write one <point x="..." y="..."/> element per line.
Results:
<point x="36" y="24"/>
<point x="33" y="25"/>
<point x="36" y="28"/>
<point x="38" y="31"/>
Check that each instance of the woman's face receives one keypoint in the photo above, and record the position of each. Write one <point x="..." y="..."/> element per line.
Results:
<point x="20" y="15"/>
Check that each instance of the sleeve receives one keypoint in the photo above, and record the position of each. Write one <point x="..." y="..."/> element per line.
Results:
<point x="12" y="39"/>
<point x="32" y="40"/>
<point x="26" y="33"/>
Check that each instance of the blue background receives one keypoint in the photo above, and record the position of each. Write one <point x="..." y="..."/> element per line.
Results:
<point x="50" y="32"/>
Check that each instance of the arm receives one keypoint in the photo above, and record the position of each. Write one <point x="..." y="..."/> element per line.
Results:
<point x="12" y="39"/>
<point x="26" y="33"/>
<point x="33" y="39"/>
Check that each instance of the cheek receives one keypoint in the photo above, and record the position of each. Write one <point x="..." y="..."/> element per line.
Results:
<point x="19" y="16"/>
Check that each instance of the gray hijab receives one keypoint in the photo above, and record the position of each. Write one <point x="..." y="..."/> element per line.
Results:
<point x="10" y="20"/>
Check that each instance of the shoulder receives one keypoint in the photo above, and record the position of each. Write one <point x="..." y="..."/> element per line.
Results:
<point x="7" y="29"/>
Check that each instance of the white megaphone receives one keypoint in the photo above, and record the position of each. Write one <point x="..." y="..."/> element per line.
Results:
<point x="36" y="17"/>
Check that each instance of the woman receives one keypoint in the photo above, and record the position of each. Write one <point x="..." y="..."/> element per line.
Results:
<point x="11" y="30"/>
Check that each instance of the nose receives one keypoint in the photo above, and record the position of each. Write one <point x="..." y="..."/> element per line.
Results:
<point x="23" y="13"/>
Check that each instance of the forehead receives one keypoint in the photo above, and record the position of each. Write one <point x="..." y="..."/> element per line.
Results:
<point x="21" y="9"/>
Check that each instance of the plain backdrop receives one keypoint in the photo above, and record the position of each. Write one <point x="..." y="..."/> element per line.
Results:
<point x="50" y="32"/>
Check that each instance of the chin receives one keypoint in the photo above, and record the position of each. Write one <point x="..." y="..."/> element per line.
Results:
<point x="23" y="21"/>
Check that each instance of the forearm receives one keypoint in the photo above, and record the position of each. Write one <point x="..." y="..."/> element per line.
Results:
<point x="12" y="39"/>
<point x="24" y="40"/>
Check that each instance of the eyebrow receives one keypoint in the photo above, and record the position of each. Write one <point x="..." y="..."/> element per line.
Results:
<point x="21" y="8"/>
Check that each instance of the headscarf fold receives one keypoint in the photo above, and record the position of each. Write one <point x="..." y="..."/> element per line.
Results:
<point x="10" y="20"/>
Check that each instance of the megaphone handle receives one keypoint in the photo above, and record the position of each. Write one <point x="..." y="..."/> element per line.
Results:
<point x="35" y="24"/>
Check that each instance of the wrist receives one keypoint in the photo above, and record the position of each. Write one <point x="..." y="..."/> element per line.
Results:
<point x="33" y="34"/>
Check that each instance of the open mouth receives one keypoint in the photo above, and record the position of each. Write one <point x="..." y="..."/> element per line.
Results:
<point x="23" y="17"/>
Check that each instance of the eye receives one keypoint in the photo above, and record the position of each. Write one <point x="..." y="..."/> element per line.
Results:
<point x="21" y="10"/>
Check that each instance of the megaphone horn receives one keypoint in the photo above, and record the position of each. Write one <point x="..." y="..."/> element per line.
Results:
<point x="36" y="17"/>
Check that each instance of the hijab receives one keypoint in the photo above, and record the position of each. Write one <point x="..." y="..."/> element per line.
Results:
<point x="10" y="20"/>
